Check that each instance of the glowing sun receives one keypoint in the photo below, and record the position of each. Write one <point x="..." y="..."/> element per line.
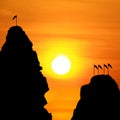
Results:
<point x="61" y="65"/>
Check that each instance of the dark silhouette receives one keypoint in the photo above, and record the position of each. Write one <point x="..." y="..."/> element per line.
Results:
<point x="100" y="100"/>
<point x="22" y="84"/>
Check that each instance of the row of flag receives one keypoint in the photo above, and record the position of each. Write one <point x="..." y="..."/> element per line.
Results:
<point x="104" y="65"/>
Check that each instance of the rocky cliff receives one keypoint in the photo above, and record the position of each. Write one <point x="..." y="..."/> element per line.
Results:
<point x="99" y="100"/>
<point x="22" y="84"/>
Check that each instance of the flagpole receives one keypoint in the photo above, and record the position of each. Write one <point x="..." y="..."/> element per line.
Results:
<point x="108" y="70"/>
<point x="109" y="66"/>
<point x="98" y="70"/>
<point x="104" y="70"/>
<point x="15" y="17"/>
<point x="93" y="71"/>
<point x="94" y="67"/>
<point x="16" y="21"/>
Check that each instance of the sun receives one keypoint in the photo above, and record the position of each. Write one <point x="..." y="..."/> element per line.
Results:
<point x="61" y="65"/>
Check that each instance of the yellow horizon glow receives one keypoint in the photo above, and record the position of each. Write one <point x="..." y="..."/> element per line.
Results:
<point x="65" y="48"/>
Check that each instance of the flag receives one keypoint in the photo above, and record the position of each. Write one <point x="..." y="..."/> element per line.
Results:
<point x="109" y="66"/>
<point x="95" y="66"/>
<point x="14" y="17"/>
<point x="105" y="66"/>
<point x="99" y="66"/>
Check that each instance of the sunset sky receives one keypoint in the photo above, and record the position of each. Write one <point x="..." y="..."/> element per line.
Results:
<point x="87" y="32"/>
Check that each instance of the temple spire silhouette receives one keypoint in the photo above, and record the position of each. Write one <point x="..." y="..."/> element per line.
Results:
<point x="23" y="86"/>
<point x="99" y="99"/>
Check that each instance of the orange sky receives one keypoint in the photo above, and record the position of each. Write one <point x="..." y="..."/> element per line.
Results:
<point x="87" y="31"/>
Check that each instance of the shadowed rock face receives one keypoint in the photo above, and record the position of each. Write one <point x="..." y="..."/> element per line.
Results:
<point x="22" y="83"/>
<point x="100" y="100"/>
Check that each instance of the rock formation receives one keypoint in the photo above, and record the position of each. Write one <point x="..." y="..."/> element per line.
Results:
<point x="22" y="84"/>
<point x="99" y="100"/>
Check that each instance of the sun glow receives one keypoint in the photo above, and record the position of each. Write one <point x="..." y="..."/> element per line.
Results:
<point x="61" y="65"/>
<point x="53" y="67"/>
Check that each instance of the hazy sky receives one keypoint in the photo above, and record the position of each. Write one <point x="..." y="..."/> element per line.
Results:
<point x="86" y="31"/>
